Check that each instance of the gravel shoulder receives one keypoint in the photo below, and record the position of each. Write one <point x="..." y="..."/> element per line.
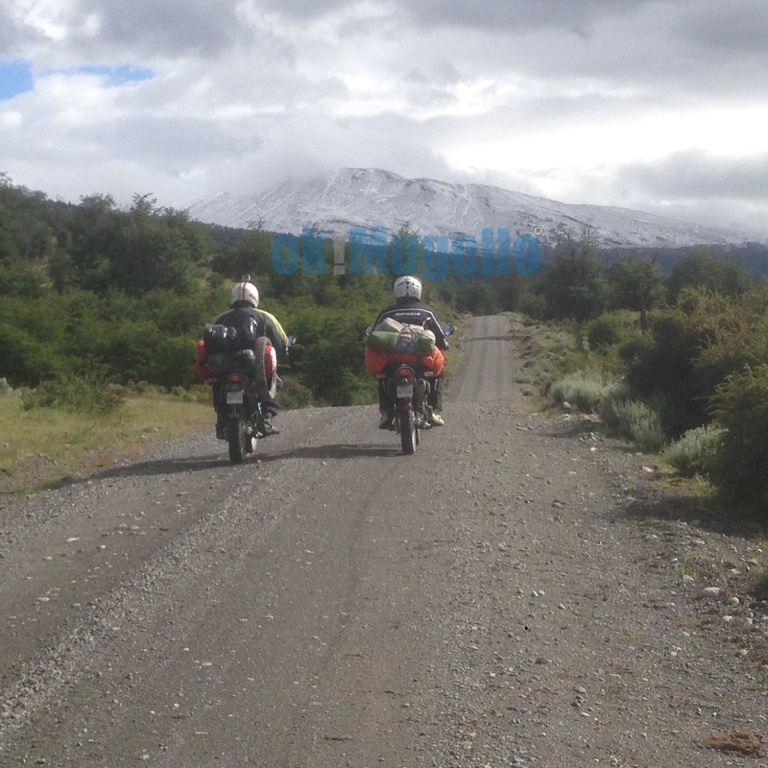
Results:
<point x="517" y="593"/>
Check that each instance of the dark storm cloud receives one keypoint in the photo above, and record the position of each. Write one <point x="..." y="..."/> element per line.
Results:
<point x="303" y="8"/>
<point x="695" y="174"/>
<point x="519" y="15"/>
<point x="669" y="48"/>
<point x="167" y="27"/>
<point x="740" y="27"/>
<point x="9" y="35"/>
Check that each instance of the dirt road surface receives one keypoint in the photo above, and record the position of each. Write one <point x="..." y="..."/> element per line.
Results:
<point x="489" y="601"/>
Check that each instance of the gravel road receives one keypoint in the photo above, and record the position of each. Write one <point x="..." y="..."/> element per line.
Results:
<point x="495" y="599"/>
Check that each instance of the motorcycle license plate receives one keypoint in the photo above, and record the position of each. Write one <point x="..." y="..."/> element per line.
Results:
<point x="235" y="398"/>
<point x="405" y="391"/>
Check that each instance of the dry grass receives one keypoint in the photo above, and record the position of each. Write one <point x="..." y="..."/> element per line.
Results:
<point x="43" y="445"/>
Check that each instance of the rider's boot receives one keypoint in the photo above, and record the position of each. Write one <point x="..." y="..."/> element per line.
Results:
<point x="269" y="429"/>
<point x="436" y="418"/>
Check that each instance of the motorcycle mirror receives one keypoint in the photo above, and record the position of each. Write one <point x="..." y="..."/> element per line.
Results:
<point x="291" y="340"/>
<point x="448" y="329"/>
<point x="369" y="330"/>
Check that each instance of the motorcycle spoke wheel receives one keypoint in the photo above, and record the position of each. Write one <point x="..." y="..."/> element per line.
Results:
<point x="408" y="433"/>
<point x="239" y="440"/>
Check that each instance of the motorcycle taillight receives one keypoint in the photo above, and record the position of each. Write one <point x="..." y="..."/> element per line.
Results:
<point x="404" y="372"/>
<point x="235" y="378"/>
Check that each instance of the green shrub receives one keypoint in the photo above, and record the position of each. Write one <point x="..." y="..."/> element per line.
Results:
<point x="295" y="394"/>
<point x="184" y="394"/>
<point x="6" y="390"/>
<point x="692" y="347"/>
<point x="695" y="453"/>
<point x="605" y="331"/>
<point x="201" y="393"/>
<point x="757" y="581"/>
<point x="75" y="394"/>
<point x="635" y="420"/>
<point x="584" y="389"/>
<point x="741" y="407"/>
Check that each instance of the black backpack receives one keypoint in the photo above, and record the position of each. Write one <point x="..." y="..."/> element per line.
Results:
<point x="231" y="348"/>
<point x="219" y="339"/>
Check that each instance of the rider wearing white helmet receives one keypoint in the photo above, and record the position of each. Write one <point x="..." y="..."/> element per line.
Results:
<point x="244" y="314"/>
<point x="409" y="309"/>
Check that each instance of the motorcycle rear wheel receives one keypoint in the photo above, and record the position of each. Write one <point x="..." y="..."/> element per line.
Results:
<point x="409" y="435"/>
<point x="239" y="440"/>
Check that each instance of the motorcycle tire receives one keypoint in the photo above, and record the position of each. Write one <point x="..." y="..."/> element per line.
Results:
<point x="266" y="368"/>
<point x="238" y="439"/>
<point x="409" y="435"/>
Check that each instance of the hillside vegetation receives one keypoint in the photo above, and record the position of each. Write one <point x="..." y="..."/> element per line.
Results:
<point x="98" y="304"/>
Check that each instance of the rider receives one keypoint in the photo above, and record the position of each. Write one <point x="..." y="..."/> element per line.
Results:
<point x="409" y="309"/>
<point x="244" y="302"/>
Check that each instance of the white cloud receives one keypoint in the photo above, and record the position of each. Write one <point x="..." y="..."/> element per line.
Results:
<point x="591" y="102"/>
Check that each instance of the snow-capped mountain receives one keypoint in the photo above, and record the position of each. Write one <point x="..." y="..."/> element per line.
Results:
<point x="371" y="198"/>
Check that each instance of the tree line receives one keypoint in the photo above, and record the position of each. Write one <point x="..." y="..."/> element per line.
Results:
<point x="677" y="362"/>
<point x="90" y="289"/>
<point x="121" y="296"/>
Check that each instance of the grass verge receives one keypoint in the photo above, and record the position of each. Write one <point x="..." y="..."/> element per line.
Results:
<point x="43" y="446"/>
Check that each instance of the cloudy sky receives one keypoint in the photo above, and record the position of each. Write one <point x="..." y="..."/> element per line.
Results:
<point x="657" y="105"/>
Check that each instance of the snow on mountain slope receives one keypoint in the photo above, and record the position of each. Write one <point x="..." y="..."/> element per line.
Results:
<point x="372" y="198"/>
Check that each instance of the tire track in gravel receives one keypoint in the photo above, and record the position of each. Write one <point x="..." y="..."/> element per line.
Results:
<point x="332" y="603"/>
<point x="486" y="373"/>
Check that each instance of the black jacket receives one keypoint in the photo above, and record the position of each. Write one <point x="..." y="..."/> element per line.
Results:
<point x="413" y="312"/>
<point x="266" y="325"/>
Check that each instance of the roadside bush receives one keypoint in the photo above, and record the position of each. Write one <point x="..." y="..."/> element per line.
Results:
<point x="741" y="471"/>
<point x="667" y="361"/>
<point x="606" y="331"/>
<point x="695" y="453"/>
<point x="6" y="390"/>
<point x="295" y="394"/>
<point x="201" y="393"/>
<point x="584" y="389"/>
<point x="75" y="394"/>
<point x="635" y="420"/>
<point x="757" y="581"/>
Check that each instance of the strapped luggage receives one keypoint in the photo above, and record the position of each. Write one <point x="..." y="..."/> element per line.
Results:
<point x="408" y="339"/>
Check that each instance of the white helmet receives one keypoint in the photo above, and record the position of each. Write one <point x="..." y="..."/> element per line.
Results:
<point x="244" y="291"/>
<point x="407" y="287"/>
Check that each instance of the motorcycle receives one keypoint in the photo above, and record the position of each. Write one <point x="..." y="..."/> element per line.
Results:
<point x="249" y="378"/>
<point x="409" y="386"/>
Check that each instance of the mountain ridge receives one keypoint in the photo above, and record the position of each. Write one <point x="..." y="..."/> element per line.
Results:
<point x="376" y="198"/>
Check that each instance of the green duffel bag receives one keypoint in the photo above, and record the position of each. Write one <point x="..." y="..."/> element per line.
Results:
<point x="423" y="342"/>
<point x="382" y="341"/>
<point x="412" y="340"/>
